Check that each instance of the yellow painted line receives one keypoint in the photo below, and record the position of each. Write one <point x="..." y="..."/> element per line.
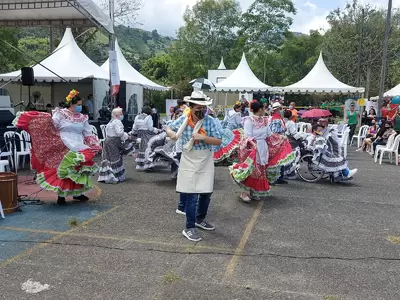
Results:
<point x="394" y="239"/>
<point x="242" y="244"/>
<point x="195" y="248"/>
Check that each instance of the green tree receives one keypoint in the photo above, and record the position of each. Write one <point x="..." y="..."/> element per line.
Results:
<point x="342" y="41"/>
<point x="265" y="26"/>
<point x="157" y="68"/>
<point x="298" y="56"/>
<point x="10" y="58"/>
<point x="208" y="34"/>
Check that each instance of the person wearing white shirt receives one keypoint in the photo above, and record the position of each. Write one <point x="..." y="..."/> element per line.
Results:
<point x="144" y="129"/>
<point x="117" y="143"/>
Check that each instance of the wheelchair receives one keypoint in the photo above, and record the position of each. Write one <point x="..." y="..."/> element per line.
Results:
<point x="310" y="172"/>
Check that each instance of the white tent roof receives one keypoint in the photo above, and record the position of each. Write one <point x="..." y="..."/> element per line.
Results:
<point x="393" y="92"/>
<point x="242" y="80"/>
<point x="130" y="74"/>
<point x="222" y="65"/>
<point x="320" y="80"/>
<point x="77" y="13"/>
<point x="67" y="61"/>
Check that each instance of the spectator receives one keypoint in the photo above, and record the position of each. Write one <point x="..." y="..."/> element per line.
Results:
<point x="396" y="120"/>
<point x="371" y="134"/>
<point x="383" y="136"/>
<point x="371" y="116"/>
<point x="293" y="110"/>
<point x="352" y="119"/>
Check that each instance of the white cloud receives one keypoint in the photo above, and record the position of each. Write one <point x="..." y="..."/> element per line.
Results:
<point x="166" y="15"/>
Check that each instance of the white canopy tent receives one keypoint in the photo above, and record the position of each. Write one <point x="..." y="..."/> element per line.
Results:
<point x="390" y="93"/>
<point x="76" y="13"/>
<point x="67" y="60"/>
<point x="321" y="80"/>
<point x="130" y="74"/>
<point x="242" y="80"/>
<point x="70" y="68"/>
<point x="222" y="65"/>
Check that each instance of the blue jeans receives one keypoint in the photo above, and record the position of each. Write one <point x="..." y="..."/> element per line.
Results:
<point x="196" y="208"/>
<point x="182" y="202"/>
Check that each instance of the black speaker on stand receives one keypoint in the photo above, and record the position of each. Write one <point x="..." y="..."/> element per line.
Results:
<point x="121" y="96"/>
<point x="28" y="79"/>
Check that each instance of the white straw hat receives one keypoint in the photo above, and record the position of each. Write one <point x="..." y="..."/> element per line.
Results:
<point x="199" y="98"/>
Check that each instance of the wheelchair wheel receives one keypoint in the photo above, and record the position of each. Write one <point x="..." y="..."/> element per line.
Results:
<point x="309" y="171"/>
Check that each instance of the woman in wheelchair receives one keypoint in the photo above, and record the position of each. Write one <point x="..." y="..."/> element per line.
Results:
<point x="327" y="152"/>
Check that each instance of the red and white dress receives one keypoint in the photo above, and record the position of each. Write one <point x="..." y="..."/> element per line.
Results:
<point x="250" y="171"/>
<point x="63" y="147"/>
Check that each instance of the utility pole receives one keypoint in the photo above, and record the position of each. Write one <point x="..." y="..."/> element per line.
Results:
<point x="360" y="48"/>
<point x="384" y="57"/>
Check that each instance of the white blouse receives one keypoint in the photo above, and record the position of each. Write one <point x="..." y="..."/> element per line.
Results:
<point x="144" y="122"/>
<point x="73" y="127"/>
<point x="115" y="128"/>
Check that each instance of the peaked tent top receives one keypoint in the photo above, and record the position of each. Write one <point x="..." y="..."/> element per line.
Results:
<point x="242" y="80"/>
<point x="222" y="65"/>
<point x="130" y="74"/>
<point x="321" y="80"/>
<point x="67" y="60"/>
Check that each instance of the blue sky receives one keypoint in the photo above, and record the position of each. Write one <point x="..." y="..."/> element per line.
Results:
<point x="166" y="15"/>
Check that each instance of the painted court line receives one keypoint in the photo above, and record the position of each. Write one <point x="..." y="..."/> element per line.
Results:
<point x="189" y="247"/>
<point x="242" y="244"/>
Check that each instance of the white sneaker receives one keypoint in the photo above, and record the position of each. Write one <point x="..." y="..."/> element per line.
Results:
<point x="179" y="212"/>
<point x="352" y="173"/>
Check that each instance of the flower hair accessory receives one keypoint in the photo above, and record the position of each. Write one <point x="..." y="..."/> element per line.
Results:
<point x="72" y="94"/>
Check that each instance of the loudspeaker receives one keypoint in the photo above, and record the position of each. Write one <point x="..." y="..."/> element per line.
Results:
<point x="27" y="76"/>
<point x="121" y="96"/>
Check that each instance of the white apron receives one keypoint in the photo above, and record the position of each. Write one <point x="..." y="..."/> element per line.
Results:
<point x="196" y="172"/>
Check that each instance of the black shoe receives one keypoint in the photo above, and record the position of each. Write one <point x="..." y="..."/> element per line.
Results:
<point x="81" y="198"/>
<point x="281" y="181"/>
<point x="61" y="201"/>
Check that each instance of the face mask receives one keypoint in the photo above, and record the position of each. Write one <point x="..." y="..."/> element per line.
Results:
<point x="290" y="107"/>
<point x="380" y="123"/>
<point x="199" y="114"/>
<point x="78" y="108"/>
<point x="121" y="117"/>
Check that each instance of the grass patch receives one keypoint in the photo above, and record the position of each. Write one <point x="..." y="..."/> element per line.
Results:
<point x="332" y="298"/>
<point x="171" y="277"/>
<point x="73" y="222"/>
<point x="394" y="239"/>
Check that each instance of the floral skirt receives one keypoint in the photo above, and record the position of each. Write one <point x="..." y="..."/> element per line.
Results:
<point x="281" y="155"/>
<point x="65" y="172"/>
<point x="230" y="145"/>
<point x="247" y="173"/>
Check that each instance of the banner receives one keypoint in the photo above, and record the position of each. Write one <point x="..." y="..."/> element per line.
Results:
<point x="114" y="72"/>
<point x="170" y="103"/>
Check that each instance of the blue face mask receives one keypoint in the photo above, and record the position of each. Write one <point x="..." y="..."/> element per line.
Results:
<point x="121" y="117"/>
<point x="379" y="123"/>
<point x="78" y="108"/>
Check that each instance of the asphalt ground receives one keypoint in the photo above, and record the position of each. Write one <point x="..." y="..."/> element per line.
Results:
<point x="306" y="241"/>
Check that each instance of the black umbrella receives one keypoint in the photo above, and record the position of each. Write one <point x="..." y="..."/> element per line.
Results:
<point x="202" y="84"/>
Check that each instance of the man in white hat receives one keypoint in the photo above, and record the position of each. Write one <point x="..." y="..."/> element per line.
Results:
<point x="198" y="134"/>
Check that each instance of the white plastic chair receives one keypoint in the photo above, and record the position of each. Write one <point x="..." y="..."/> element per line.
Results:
<point x="25" y="148"/>
<point x="343" y="140"/>
<point x="362" y="133"/>
<point x="4" y="165"/>
<point x="9" y="139"/>
<point x="1" y="211"/>
<point x="391" y="147"/>
<point x="6" y="152"/>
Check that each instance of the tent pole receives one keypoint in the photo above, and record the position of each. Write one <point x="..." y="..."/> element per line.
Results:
<point x="384" y="57"/>
<point x="111" y="47"/>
